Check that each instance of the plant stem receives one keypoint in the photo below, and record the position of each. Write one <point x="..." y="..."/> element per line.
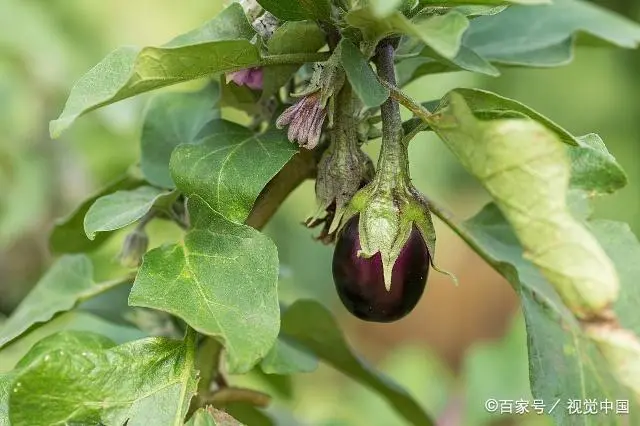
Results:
<point x="413" y="106"/>
<point x="393" y="160"/>
<point x="295" y="58"/>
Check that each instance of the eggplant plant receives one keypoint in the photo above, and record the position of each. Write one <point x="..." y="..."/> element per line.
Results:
<point x="315" y="82"/>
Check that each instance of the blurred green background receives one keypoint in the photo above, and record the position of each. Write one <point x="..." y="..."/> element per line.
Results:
<point x="459" y="347"/>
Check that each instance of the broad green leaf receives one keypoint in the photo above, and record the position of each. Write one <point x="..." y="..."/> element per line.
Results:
<point x="490" y="106"/>
<point x="383" y="8"/>
<point x="6" y="381"/>
<point x="212" y="417"/>
<point x="75" y="320"/>
<point x="172" y="119"/>
<point x="68" y="234"/>
<point x="222" y="280"/>
<point x="77" y="377"/>
<point x="444" y="3"/>
<point x="526" y="169"/>
<point x="592" y="167"/>
<point x="509" y="37"/>
<point x="221" y="45"/>
<point x="298" y="10"/>
<point x="442" y="33"/>
<point x="287" y="358"/>
<point x="466" y="60"/>
<point x="290" y="37"/>
<point x="230" y="167"/>
<point x="312" y="326"/>
<point x="64" y="286"/>
<point x="362" y="78"/>
<point x="122" y="208"/>
<point x="563" y="363"/>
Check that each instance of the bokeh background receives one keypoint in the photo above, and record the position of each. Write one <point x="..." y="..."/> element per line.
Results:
<point x="459" y="347"/>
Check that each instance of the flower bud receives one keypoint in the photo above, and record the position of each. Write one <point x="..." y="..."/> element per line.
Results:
<point x="360" y="281"/>
<point x="133" y="249"/>
<point x="250" y="77"/>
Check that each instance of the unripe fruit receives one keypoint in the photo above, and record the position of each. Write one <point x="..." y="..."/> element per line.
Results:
<point x="360" y="281"/>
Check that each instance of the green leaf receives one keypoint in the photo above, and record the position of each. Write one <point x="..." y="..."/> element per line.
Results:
<point x="64" y="286"/>
<point x="172" y="119"/>
<point x="563" y="363"/>
<point x="76" y="320"/>
<point x="509" y="37"/>
<point x="122" y="208"/>
<point x="6" y="381"/>
<point x="230" y="167"/>
<point x="290" y="37"/>
<point x="442" y="33"/>
<point x="221" y="45"/>
<point x="526" y="169"/>
<point x="77" y="377"/>
<point x="312" y="326"/>
<point x="286" y="358"/>
<point x="593" y="168"/>
<point x="438" y="3"/>
<point x="362" y="78"/>
<point x="298" y="10"/>
<point x="466" y="60"/>
<point x="212" y="417"/>
<point x="68" y="234"/>
<point x="383" y="8"/>
<point x="222" y="280"/>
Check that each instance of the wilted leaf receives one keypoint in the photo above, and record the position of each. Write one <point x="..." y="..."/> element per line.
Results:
<point x="77" y="377"/>
<point x="64" y="286"/>
<point x="509" y="37"/>
<point x="362" y="78"/>
<point x="312" y="326"/>
<point x="286" y="358"/>
<point x="222" y="280"/>
<point x="230" y="167"/>
<point x="526" y="169"/>
<point x="298" y="10"/>
<point x="172" y="119"/>
<point x="68" y="234"/>
<point x="221" y="45"/>
<point x="122" y="208"/>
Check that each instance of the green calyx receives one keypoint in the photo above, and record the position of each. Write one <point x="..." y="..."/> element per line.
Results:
<point x="343" y="169"/>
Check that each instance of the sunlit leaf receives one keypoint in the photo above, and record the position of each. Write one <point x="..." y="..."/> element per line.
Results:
<point x="230" y="167"/>
<point x="312" y="326"/>
<point x="526" y="169"/>
<point x="79" y="377"/>
<point x="67" y="283"/>
<point x="221" y="45"/>
<point x="222" y="280"/>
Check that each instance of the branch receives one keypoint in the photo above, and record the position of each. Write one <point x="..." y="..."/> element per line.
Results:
<point x="294" y="58"/>
<point x="413" y="106"/>
<point x="301" y="167"/>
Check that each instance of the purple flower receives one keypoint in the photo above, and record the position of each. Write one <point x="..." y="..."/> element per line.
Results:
<point x="305" y="119"/>
<point x="250" y="77"/>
